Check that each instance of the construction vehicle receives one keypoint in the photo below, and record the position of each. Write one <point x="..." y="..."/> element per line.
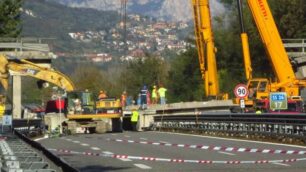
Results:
<point x="206" y="48"/>
<point x="26" y="68"/>
<point x="92" y="112"/>
<point x="289" y="79"/>
<point x="84" y="113"/>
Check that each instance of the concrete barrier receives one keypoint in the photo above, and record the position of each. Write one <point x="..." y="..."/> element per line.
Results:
<point x="146" y="117"/>
<point x="53" y="120"/>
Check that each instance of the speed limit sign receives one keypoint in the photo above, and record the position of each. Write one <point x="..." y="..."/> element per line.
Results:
<point x="241" y="91"/>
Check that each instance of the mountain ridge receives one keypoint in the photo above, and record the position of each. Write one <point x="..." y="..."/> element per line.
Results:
<point x="171" y="10"/>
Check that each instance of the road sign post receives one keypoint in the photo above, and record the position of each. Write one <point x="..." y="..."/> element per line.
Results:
<point x="278" y="101"/>
<point x="241" y="91"/>
<point x="242" y="103"/>
<point x="6" y="121"/>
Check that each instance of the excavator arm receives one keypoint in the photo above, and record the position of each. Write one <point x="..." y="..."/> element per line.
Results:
<point x="26" y="68"/>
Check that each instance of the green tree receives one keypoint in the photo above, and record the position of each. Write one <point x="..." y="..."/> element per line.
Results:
<point x="91" y="78"/>
<point x="10" y="23"/>
<point x="143" y="71"/>
<point x="32" y="94"/>
<point x="185" y="82"/>
<point x="290" y="17"/>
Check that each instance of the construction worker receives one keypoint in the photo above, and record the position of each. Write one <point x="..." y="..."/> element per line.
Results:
<point x="123" y="99"/>
<point x="154" y="95"/>
<point x="102" y="95"/>
<point x="2" y="109"/>
<point x="77" y="106"/>
<point x="258" y="111"/>
<point x="134" y="119"/>
<point x="162" y="94"/>
<point x="2" y="105"/>
<point x="139" y="99"/>
<point x="148" y="98"/>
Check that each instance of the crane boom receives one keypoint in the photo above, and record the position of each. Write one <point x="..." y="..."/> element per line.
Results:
<point x="27" y="68"/>
<point x="286" y="80"/>
<point x="271" y="39"/>
<point x="284" y="72"/>
<point x="206" y="47"/>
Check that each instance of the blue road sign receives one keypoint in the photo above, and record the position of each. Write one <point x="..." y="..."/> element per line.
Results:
<point x="278" y="100"/>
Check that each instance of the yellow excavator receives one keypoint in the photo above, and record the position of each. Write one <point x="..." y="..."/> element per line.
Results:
<point x="206" y="49"/>
<point x="27" y="68"/>
<point x="286" y="75"/>
<point x="92" y="113"/>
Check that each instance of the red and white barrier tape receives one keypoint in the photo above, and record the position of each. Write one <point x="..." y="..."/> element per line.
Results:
<point x="216" y="148"/>
<point x="3" y="138"/>
<point x="176" y="160"/>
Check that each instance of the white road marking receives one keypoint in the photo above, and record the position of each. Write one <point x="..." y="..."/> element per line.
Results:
<point x="95" y="148"/>
<point x="164" y="142"/>
<point x="76" y="141"/>
<point x="42" y="138"/>
<point x="238" y="140"/>
<point x="85" y="144"/>
<point x="111" y="153"/>
<point x="226" y="153"/>
<point x="106" y="152"/>
<point x="68" y="139"/>
<point x="38" y="139"/>
<point x="127" y="136"/>
<point x="143" y="138"/>
<point x="125" y="159"/>
<point x="114" y="134"/>
<point x="277" y="163"/>
<point x="142" y="166"/>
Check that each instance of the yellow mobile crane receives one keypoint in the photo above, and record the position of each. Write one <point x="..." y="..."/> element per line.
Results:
<point x="206" y="48"/>
<point x="286" y="80"/>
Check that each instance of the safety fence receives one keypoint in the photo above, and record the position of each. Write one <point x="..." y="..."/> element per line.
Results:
<point x="287" y="125"/>
<point x="28" y="127"/>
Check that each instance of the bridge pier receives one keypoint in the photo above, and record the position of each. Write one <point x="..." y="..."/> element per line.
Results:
<point x="16" y="106"/>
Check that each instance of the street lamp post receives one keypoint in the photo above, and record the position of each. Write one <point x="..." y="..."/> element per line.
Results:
<point x="60" y="111"/>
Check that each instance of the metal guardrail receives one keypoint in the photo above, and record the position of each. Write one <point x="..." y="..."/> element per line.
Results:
<point x="26" y="43"/>
<point x="17" y="123"/>
<point x="289" y="125"/>
<point x="295" y="47"/>
<point x="54" y="158"/>
<point x="25" y="46"/>
<point x="18" y="156"/>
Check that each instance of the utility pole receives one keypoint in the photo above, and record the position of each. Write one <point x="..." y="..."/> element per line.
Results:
<point x="123" y="19"/>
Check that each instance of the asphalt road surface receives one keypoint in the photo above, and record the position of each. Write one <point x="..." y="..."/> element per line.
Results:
<point x="158" y="151"/>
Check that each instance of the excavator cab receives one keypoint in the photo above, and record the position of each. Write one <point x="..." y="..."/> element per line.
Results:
<point x="79" y="102"/>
